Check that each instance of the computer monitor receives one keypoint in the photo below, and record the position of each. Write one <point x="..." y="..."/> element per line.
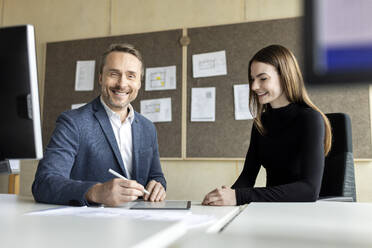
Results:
<point x="338" y="41"/>
<point x="20" y="129"/>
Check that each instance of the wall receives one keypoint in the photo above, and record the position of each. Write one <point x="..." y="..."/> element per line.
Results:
<point x="56" y="20"/>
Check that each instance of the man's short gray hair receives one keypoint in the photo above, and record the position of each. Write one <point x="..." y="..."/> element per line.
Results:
<point x="125" y="48"/>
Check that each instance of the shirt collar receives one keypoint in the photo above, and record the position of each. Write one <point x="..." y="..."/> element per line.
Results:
<point x="112" y="114"/>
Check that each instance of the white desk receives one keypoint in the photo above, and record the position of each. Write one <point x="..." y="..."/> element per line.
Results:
<point x="320" y="224"/>
<point x="19" y="230"/>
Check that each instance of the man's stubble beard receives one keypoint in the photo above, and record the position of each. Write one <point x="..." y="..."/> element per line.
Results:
<point x="110" y="102"/>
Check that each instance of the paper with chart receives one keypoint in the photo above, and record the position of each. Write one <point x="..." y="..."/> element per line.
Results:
<point x="84" y="76"/>
<point x="161" y="78"/>
<point x="241" y="102"/>
<point x="157" y="110"/>
<point x="187" y="217"/>
<point x="209" y="64"/>
<point x="77" y="105"/>
<point x="203" y="104"/>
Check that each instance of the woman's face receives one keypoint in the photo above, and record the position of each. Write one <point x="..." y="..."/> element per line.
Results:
<point x="265" y="83"/>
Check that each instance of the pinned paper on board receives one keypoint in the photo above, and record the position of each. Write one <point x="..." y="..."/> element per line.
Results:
<point x="157" y="110"/>
<point x="84" y="77"/>
<point x="209" y="64"/>
<point x="241" y="102"/>
<point x="161" y="78"/>
<point x="203" y="104"/>
<point x="77" y="105"/>
<point x="15" y="165"/>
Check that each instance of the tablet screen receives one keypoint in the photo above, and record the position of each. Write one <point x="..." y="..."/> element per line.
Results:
<point x="167" y="205"/>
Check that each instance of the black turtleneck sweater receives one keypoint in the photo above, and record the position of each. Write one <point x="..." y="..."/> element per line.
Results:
<point x="292" y="152"/>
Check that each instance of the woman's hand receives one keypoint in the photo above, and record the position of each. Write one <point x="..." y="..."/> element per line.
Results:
<point x="223" y="196"/>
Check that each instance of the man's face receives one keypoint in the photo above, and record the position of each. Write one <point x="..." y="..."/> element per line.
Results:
<point x="120" y="80"/>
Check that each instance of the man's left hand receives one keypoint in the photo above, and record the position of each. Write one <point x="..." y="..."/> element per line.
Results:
<point x="157" y="192"/>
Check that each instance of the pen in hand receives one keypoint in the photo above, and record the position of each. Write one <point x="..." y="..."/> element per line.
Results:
<point x="122" y="177"/>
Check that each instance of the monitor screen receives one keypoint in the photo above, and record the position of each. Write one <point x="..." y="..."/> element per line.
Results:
<point x="338" y="40"/>
<point x="20" y="127"/>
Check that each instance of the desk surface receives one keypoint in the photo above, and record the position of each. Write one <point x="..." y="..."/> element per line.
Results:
<point x="19" y="230"/>
<point x="317" y="224"/>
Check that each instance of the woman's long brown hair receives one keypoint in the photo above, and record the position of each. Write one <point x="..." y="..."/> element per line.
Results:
<point x="292" y="83"/>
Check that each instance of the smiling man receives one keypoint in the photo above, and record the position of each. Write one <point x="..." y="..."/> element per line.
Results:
<point x="106" y="133"/>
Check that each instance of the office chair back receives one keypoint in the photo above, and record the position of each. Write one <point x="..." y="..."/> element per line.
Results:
<point x="338" y="177"/>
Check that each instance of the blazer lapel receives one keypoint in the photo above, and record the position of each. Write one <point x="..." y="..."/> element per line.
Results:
<point x="136" y="138"/>
<point x="105" y="124"/>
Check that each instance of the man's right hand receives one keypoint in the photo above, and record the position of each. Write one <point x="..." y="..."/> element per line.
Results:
<point x="115" y="192"/>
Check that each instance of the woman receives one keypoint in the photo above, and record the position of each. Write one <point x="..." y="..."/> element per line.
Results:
<point x="290" y="136"/>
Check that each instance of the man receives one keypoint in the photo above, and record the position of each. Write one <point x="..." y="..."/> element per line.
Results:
<point x="106" y="133"/>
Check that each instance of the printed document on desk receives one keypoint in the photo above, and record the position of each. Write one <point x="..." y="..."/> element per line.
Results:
<point x="187" y="217"/>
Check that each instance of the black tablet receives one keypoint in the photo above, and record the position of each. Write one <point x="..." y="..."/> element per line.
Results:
<point x="164" y="205"/>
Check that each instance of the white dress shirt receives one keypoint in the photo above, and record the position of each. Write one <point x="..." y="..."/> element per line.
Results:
<point x="123" y="135"/>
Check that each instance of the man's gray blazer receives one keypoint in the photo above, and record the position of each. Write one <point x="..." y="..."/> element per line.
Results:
<point x="82" y="149"/>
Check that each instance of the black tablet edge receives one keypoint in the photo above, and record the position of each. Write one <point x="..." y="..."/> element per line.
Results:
<point x="188" y="206"/>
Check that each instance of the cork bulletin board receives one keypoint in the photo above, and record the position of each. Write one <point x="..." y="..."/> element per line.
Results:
<point x="226" y="137"/>
<point x="229" y="138"/>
